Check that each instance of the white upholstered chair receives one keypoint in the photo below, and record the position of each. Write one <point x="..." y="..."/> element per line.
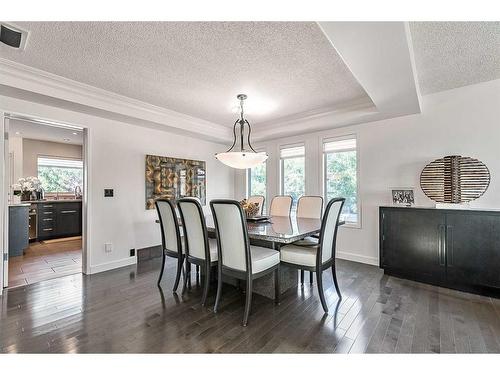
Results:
<point x="309" y="207"/>
<point x="321" y="257"/>
<point x="281" y="205"/>
<point x="237" y="258"/>
<point x="259" y="199"/>
<point x="170" y="237"/>
<point x="199" y="249"/>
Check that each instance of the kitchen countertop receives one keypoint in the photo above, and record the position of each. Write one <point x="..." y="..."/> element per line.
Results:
<point x="19" y="204"/>
<point x="53" y="201"/>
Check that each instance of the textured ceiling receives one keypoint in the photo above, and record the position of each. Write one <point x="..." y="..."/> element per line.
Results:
<point x="455" y="54"/>
<point x="197" y="68"/>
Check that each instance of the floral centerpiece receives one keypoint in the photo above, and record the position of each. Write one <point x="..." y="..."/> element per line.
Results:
<point x="251" y="209"/>
<point x="27" y="185"/>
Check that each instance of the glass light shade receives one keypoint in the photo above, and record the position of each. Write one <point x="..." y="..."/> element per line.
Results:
<point x="241" y="160"/>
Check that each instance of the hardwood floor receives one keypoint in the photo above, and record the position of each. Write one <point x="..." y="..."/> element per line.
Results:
<point x="46" y="260"/>
<point x="124" y="311"/>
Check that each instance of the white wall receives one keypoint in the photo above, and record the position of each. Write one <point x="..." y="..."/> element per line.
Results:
<point x="32" y="148"/>
<point x="117" y="160"/>
<point x="464" y="121"/>
<point x="16" y="149"/>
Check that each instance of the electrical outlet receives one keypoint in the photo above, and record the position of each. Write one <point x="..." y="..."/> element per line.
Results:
<point x="132" y="252"/>
<point x="108" y="247"/>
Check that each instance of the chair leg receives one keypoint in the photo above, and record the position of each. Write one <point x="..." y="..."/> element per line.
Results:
<point x="334" y="274"/>
<point x="188" y="274"/>
<point x="206" y="284"/>
<point x="277" y="286"/>
<point x="248" y="302"/>
<point x="310" y="277"/>
<point x="319" y="278"/>
<point x="302" y="277"/>
<point x="184" y="283"/>
<point x="197" y="275"/>
<point x="179" y="270"/>
<point x="162" y="268"/>
<point x="219" y="289"/>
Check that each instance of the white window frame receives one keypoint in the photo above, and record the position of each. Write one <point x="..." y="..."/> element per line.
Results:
<point x="59" y="158"/>
<point x="249" y="180"/>
<point x="281" y="168"/>
<point x="323" y="155"/>
<point x="248" y="174"/>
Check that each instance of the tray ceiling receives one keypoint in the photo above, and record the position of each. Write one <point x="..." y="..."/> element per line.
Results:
<point x="454" y="54"/>
<point x="197" y="68"/>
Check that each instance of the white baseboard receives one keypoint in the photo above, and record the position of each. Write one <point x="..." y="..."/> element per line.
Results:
<point x="357" y="258"/>
<point x="112" y="265"/>
<point x="133" y="260"/>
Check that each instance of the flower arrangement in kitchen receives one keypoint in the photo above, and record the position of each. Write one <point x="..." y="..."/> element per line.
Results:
<point x="27" y="185"/>
<point x="251" y="209"/>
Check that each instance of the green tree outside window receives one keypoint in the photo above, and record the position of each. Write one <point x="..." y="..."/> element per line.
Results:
<point x="340" y="179"/>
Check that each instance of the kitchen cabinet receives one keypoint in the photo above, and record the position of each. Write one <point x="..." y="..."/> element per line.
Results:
<point x="459" y="249"/>
<point x="69" y="219"/>
<point x="59" y="219"/>
<point x="18" y="229"/>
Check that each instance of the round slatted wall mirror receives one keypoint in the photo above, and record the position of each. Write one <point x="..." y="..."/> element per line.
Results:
<point x="454" y="179"/>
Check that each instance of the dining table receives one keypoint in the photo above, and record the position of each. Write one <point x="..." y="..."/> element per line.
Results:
<point x="275" y="232"/>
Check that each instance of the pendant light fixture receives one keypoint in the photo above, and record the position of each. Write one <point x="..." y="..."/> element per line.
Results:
<point x="242" y="158"/>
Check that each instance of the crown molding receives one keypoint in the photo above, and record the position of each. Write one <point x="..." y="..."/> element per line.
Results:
<point x="41" y="82"/>
<point x="315" y="120"/>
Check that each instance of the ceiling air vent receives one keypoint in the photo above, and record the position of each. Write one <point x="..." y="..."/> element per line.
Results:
<point x="13" y="36"/>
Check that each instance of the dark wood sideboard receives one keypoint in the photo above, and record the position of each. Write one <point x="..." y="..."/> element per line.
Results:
<point x="458" y="249"/>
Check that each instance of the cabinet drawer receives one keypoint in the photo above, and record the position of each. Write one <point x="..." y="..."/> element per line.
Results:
<point x="46" y="206"/>
<point x="45" y="222"/>
<point x="46" y="231"/>
<point x="69" y="211"/>
<point x="46" y="212"/>
<point x="68" y="206"/>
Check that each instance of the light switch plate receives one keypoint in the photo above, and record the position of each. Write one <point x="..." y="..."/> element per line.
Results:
<point x="108" y="247"/>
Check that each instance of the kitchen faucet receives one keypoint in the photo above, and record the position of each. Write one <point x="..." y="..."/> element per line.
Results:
<point x="78" y="192"/>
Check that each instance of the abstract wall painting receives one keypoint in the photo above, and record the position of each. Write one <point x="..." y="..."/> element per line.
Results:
<point x="173" y="178"/>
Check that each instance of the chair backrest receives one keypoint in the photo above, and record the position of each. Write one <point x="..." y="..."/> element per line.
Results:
<point x="310" y="207"/>
<point x="329" y="227"/>
<point x="195" y="228"/>
<point x="170" y="233"/>
<point x="259" y="199"/>
<point x="281" y="205"/>
<point x="232" y="236"/>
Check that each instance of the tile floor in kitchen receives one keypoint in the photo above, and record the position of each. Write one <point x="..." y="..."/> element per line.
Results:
<point x="46" y="260"/>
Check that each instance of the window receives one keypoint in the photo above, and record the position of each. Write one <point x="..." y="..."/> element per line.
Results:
<point x="292" y="166"/>
<point x="341" y="175"/>
<point x="257" y="180"/>
<point x="59" y="175"/>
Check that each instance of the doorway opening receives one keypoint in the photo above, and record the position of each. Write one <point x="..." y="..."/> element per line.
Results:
<point x="46" y="194"/>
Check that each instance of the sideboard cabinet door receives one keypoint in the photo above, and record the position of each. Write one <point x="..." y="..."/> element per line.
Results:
<point x="473" y="249"/>
<point x="412" y="243"/>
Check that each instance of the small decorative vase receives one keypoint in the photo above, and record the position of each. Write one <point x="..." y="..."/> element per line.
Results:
<point x="26" y="196"/>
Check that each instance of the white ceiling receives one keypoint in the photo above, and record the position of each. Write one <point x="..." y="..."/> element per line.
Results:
<point x="198" y="68"/>
<point x="31" y="130"/>
<point x="455" y="54"/>
<point x="300" y="76"/>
